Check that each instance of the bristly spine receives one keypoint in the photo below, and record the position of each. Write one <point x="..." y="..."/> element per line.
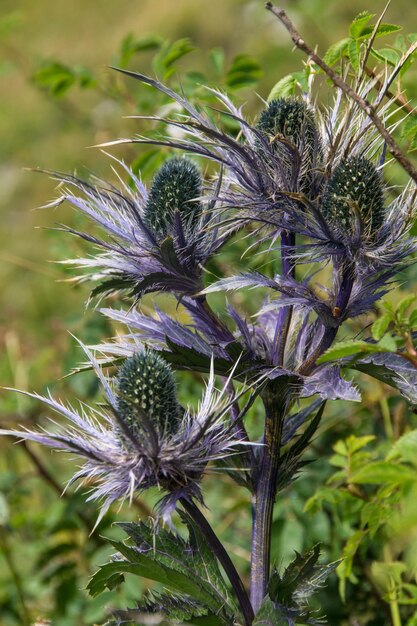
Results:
<point x="146" y="387"/>
<point x="355" y="186"/>
<point x="175" y="188"/>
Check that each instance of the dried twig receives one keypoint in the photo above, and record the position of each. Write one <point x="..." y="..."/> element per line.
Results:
<point x="337" y="80"/>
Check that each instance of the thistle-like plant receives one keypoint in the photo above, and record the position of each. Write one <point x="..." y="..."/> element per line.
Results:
<point x="310" y="183"/>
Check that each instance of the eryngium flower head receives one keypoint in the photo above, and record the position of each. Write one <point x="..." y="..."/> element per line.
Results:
<point x="150" y="246"/>
<point x="173" y="462"/>
<point x="290" y="121"/>
<point x="146" y="388"/>
<point x="354" y="195"/>
<point x="175" y="188"/>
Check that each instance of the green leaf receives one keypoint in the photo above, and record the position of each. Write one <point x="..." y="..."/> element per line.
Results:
<point x="336" y="51"/>
<point x="347" y="348"/>
<point x="353" y="51"/>
<point x="285" y="87"/>
<point x="387" y="29"/>
<point x="359" y="23"/>
<point x="380" y="326"/>
<point x="269" y="615"/>
<point x="245" y="71"/>
<point x="383" y="30"/>
<point x="405" y="448"/>
<point x="387" y="344"/>
<point x="413" y="320"/>
<point x="131" y="46"/>
<point x="405" y="303"/>
<point x="386" y="55"/>
<point x="216" y="56"/>
<point x="166" y="558"/>
<point x="382" y="472"/>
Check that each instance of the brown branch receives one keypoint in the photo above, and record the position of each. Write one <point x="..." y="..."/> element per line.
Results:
<point x="337" y="80"/>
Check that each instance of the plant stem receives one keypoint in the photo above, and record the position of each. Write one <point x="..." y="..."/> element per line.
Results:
<point x="389" y="431"/>
<point x="264" y="499"/>
<point x="223" y="557"/>
<point x="285" y="314"/>
<point x="5" y="548"/>
<point x="395" y="611"/>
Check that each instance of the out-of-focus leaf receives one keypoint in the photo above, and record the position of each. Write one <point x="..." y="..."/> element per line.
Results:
<point x="245" y="71"/>
<point x="380" y="326"/>
<point x="383" y="472"/>
<point x="336" y="51"/>
<point x="57" y="78"/>
<point x="131" y="45"/>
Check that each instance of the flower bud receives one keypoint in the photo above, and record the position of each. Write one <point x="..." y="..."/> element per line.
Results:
<point x="291" y="120"/>
<point x="176" y="187"/>
<point x="355" y="186"/>
<point x="146" y="395"/>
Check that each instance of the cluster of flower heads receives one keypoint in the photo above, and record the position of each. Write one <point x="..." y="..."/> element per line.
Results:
<point x="306" y="179"/>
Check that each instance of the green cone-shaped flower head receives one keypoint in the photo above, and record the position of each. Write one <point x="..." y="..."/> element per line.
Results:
<point x="176" y="187"/>
<point x="354" y="187"/>
<point x="146" y="395"/>
<point x="291" y="120"/>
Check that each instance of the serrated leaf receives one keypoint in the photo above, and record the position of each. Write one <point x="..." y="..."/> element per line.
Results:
<point x="387" y="29"/>
<point x="191" y="559"/>
<point x="359" y="23"/>
<point x="347" y="348"/>
<point x="382" y="472"/>
<point x="269" y="615"/>
<point x="386" y="55"/>
<point x="353" y="51"/>
<point x="380" y="326"/>
<point x="392" y="369"/>
<point x="285" y="87"/>
<point x="383" y="30"/>
<point x="336" y="51"/>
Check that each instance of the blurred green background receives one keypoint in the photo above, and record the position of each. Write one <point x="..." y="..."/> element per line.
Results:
<point x="47" y="124"/>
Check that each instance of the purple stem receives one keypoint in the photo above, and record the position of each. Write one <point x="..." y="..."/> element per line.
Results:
<point x="264" y="498"/>
<point x="285" y="314"/>
<point x="342" y="300"/>
<point x="223" y="557"/>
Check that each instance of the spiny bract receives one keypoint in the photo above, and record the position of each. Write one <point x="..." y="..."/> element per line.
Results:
<point x="146" y="391"/>
<point x="354" y="185"/>
<point x="176" y="187"/>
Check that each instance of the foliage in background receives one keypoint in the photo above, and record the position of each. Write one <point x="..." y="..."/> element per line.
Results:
<point x="343" y="523"/>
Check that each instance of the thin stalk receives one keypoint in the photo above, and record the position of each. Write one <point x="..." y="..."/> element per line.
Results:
<point x="223" y="557"/>
<point x="386" y="416"/>
<point x="5" y="548"/>
<point x="394" y="608"/>
<point x="264" y="499"/>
